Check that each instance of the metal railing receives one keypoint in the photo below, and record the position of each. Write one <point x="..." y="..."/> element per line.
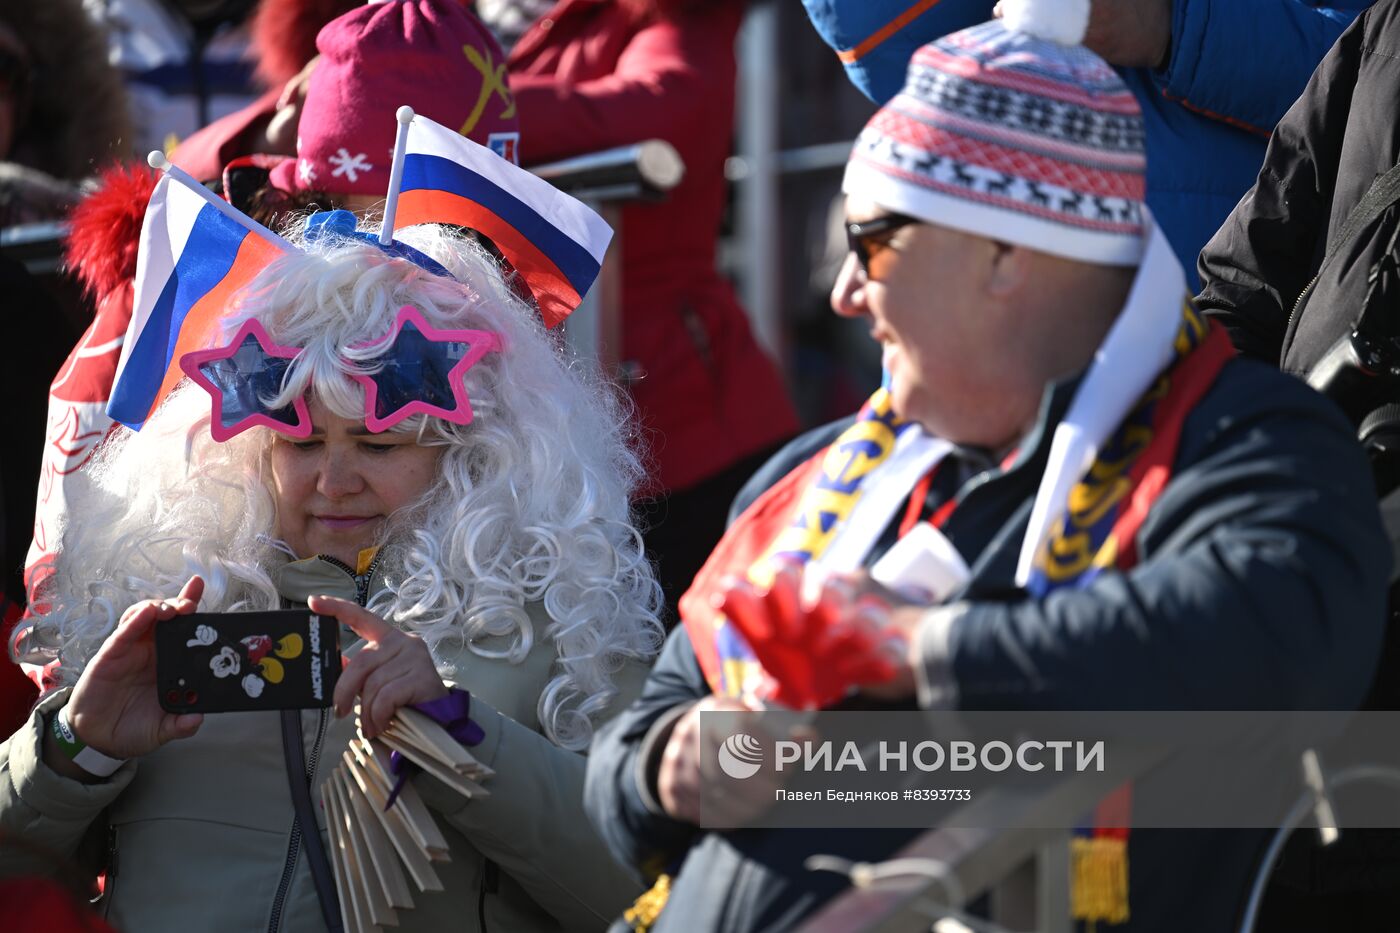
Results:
<point x="39" y="246"/>
<point x="1026" y="871"/>
<point x="646" y="171"/>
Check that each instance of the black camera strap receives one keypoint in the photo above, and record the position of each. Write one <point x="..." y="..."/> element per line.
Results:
<point x="1384" y="192"/>
<point x="294" y="750"/>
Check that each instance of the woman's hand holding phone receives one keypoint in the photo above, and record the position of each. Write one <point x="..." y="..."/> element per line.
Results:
<point x="395" y="669"/>
<point x="114" y="708"/>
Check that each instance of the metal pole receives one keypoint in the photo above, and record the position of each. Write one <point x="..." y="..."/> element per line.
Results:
<point x="758" y="192"/>
<point x="594" y="330"/>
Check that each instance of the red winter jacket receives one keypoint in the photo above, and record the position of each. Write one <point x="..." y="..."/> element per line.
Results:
<point x="592" y="75"/>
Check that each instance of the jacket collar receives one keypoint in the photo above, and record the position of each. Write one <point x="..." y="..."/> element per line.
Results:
<point x="326" y="576"/>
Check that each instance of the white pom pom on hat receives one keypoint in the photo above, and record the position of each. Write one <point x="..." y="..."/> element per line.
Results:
<point x="1061" y="21"/>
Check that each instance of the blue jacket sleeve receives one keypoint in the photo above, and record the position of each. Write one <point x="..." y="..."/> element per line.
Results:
<point x="1262" y="581"/>
<point x="622" y="809"/>
<point x="1246" y="61"/>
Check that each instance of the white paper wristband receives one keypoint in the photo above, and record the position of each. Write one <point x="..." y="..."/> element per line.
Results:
<point x="89" y="759"/>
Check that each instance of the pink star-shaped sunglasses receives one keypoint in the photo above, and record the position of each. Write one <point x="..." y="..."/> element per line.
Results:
<point x="421" y="372"/>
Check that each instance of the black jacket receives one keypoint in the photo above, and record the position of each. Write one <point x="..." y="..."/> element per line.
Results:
<point x="1339" y="137"/>
<point x="1260" y="586"/>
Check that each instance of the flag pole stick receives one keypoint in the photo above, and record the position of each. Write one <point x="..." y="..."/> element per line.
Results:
<point x="158" y="161"/>
<point x="391" y="201"/>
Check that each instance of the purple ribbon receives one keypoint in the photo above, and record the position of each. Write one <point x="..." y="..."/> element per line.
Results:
<point x="452" y="713"/>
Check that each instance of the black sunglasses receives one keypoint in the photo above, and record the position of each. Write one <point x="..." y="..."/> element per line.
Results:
<point x="860" y="236"/>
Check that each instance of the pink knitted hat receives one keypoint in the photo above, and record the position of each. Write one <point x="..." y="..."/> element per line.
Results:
<point x="432" y="55"/>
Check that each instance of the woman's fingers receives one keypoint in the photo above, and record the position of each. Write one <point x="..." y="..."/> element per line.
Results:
<point x="359" y="620"/>
<point x="136" y="621"/>
<point x="135" y="625"/>
<point x="135" y="609"/>
<point x="179" y="727"/>
<point x="410" y="677"/>
<point x="385" y="702"/>
<point x="190" y="595"/>
<point x="389" y="677"/>
<point x="352" y="679"/>
<point x="391" y="671"/>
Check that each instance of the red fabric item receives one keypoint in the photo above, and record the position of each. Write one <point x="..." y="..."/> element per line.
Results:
<point x="1190" y="380"/>
<point x="591" y="75"/>
<point x="17" y="694"/>
<point x="815" y="655"/>
<point x="747" y="540"/>
<point x="42" y="904"/>
<point x="101" y="251"/>
<point x="916" y="502"/>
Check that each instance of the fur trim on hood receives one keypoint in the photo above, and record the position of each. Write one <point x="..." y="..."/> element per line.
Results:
<point x="105" y="229"/>
<point x="76" y="116"/>
<point x="284" y="34"/>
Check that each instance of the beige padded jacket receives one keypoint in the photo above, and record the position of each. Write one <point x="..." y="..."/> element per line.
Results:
<point x="200" y="831"/>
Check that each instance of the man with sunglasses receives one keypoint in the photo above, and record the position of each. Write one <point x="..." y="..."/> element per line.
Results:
<point x="1149" y="522"/>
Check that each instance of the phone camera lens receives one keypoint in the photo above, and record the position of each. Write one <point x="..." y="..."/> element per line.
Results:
<point x="172" y="697"/>
<point x="190" y="697"/>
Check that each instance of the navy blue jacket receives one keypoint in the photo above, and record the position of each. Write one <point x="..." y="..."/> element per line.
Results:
<point x="1234" y="68"/>
<point x="1261" y="585"/>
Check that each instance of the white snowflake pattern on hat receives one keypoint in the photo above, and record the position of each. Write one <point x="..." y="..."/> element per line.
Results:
<point x="306" y="170"/>
<point x="349" y="166"/>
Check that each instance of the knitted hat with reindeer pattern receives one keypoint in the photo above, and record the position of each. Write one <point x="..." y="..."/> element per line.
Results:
<point x="1013" y="131"/>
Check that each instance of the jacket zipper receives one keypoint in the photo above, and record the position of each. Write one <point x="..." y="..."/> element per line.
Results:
<point x="109" y="884"/>
<point x="1297" y="306"/>
<point x="362" y="582"/>
<point x="294" y="843"/>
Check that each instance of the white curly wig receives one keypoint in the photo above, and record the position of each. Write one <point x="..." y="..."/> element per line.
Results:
<point x="531" y="502"/>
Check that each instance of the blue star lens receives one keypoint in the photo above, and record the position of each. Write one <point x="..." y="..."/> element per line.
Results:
<point x="247" y="378"/>
<point x="418" y="371"/>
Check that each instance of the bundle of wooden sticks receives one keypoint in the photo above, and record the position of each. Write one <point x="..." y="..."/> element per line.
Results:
<point x="375" y="849"/>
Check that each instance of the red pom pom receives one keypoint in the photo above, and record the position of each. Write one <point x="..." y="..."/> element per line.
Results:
<point x="105" y="229"/>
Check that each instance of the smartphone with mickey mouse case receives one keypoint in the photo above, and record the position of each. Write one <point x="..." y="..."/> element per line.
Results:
<point x="247" y="661"/>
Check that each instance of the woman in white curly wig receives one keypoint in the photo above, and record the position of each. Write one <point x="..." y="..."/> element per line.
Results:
<point x="495" y="555"/>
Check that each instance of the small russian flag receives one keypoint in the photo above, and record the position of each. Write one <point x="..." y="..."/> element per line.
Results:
<point x="554" y="241"/>
<point x="194" y="255"/>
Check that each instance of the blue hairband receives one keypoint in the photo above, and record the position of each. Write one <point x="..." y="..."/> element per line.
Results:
<point x="340" y="224"/>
